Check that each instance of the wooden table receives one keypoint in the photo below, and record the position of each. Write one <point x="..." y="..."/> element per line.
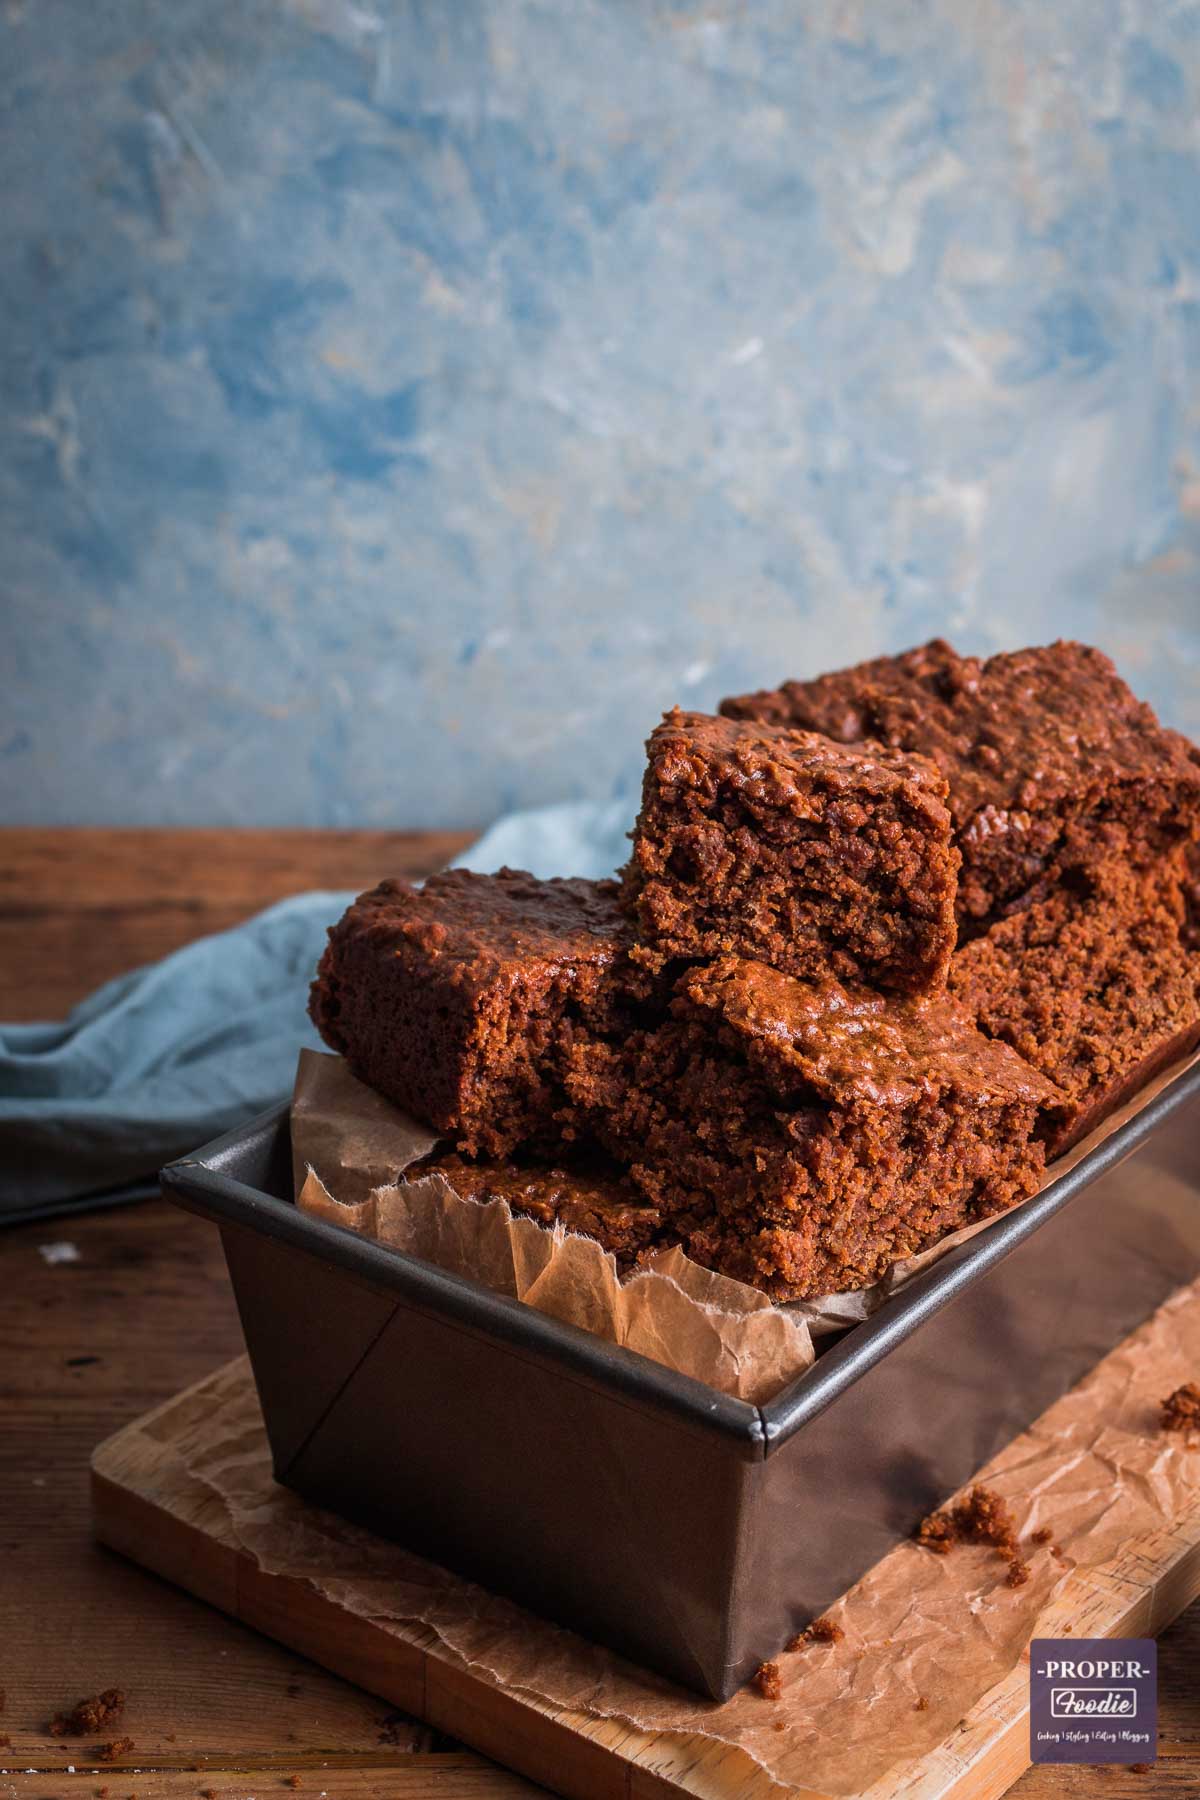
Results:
<point x="145" y="1309"/>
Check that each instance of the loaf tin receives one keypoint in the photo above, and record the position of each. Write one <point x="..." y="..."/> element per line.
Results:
<point x="692" y="1532"/>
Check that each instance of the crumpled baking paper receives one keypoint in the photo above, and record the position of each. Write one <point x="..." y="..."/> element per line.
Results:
<point x="350" y="1145"/>
<point x="1095" y="1470"/>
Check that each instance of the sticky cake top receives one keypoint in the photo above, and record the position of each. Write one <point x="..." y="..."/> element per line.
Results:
<point x="779" y="764"/>
<point x="853" y="1044"/>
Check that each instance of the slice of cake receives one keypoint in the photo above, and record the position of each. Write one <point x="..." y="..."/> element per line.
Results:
<point x="801" y="1136"/>
<point x="1098" y="987"/>
<point x="594" y="1202"/>
<point x="1052" y="763"/>
<point x="451" y="998"/>
<point x="813" y="856"/>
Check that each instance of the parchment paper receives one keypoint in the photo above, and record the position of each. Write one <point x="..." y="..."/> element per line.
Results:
<point x="1095" y="1469"/>
<point x="349" y="1145"/>
<point x="348" y="1142"/>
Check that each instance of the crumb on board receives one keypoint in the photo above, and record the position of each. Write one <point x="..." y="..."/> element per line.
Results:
<point x="768" y="1680"/>
<point x="1180" y="1411"/>
<point x="1042" y="1536"/>
<point x="779" y="1725"/>
<point x="114" y="1750"/>
<point x="89" y="1716"/>
<point x="820" y="1631"/>
<point x="922" y="1705"/>
<point x="292" y="1781"/>
<point x="102" y="1793"/>
<point x="983" y="1517"/>
<point x="1140" y="1768"/>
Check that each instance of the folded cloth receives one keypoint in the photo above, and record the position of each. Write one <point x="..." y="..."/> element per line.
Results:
<point x="157" y="1062"/>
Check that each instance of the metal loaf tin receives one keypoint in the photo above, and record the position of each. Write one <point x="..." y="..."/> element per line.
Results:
<point x="692" y="1532"/>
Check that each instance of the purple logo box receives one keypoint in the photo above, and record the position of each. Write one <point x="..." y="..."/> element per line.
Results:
<point x="1093" y="1700"/>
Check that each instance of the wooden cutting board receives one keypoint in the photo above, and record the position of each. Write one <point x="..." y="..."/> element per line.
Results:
<point x="150" y="1506"/>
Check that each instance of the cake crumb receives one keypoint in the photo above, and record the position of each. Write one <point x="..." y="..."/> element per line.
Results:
<point x="1140" y="1768"/>
<point x="112" y="1752"/>
<point x="91" y="1715"/>
<point x="292" y="1781"/>
<point x="1180" y="1411"/>
<point x="102" y="1793"/>
<point x="779" y="1725"/>
<point x="1042" y="1536"/>
<point x="820" y="1631"/>
<point x="983" y="1517"/>
<point x="937" y="1533"/>
<point x="922" y="1705"/>
<point x="768" y="1680"/>
<point x="208" y="1794"/>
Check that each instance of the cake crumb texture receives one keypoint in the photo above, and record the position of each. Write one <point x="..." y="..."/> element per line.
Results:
<point x="1180" y="1411"/>
<point x="768" y="1680"/>
<point x="813" y="856"/>
<point x="89" y="1716"/>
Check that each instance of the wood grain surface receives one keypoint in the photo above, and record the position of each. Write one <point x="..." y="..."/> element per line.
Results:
<point x="148" y="1504"/>
<point x="87" y="1345"/>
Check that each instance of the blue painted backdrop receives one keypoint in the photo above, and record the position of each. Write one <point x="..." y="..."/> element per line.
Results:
<point x="402" y="403"/>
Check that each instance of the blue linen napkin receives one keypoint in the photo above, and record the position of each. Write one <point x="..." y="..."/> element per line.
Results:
<point x="157" y="1062"/>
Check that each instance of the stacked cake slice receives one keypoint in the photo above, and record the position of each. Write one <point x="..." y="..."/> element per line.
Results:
<point x="763" y="1044"/>
<point x="1076" y="815"/>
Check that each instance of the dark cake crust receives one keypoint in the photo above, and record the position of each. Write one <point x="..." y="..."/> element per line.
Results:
<point x="451" y="998"/>
<point x="815" y="857"/>
<point x="1052" y="763"/>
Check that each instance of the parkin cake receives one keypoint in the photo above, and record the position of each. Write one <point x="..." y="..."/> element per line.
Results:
<point x="815" y="857"/>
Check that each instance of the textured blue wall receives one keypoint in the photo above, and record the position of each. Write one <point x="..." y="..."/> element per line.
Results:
<point x="403" y="403"/>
